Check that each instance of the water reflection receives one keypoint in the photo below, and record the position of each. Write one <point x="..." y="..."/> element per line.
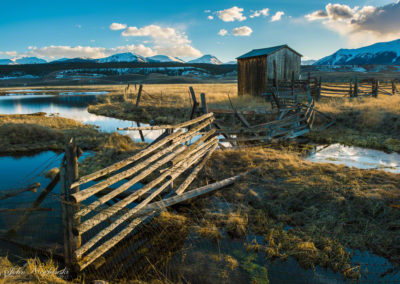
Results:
<point x="70" y="105"/>
<point x="357" y="157"/>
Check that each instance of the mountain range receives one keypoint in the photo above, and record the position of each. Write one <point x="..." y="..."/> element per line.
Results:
<point x="120" y="57"/>
<point x="382" y="53"/>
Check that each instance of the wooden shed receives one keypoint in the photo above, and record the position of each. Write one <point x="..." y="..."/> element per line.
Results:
<point x="259" y="67"/>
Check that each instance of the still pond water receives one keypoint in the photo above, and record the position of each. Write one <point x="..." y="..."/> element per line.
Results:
<point x="69" y="105"/>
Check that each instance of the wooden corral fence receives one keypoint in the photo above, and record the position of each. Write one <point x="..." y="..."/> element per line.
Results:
<point x="361" y="87"/>
<point x="292" y="118"/>
<point x="162" y="163"/>
<point x="296" y="90"/>
<point x="292" y="122"/>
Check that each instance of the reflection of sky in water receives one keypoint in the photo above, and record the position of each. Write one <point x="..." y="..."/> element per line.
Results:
<point x="357" y="157"/>
<point x="70" y="106"/>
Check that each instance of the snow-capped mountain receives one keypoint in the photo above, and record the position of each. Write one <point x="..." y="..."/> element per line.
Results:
<point x="382" y="53"/>
<point x="22" y="60"/>
<point x="231" y="62"/>
<point x="164" y="58"/>
<point x="6" y="62"/>
<point x="29" y="60"/>
<point x="208" y="58"/>
<point x="72" y="60"/>
<point x="123" y="57"/>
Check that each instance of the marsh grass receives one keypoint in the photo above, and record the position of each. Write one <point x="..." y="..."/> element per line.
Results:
<point x="312" y="212"/>
<point x="38" y="132"/>
<point x="366" y="122"/>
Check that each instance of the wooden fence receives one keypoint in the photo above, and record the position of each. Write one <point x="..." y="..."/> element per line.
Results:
<point x="171" y="157"/>
<point x="365" y="87"/>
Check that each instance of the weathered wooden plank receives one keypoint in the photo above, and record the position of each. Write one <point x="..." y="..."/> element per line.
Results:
<point x="176" y="126"/>
<point x="182" y="187"/>
<point x="190" y="194"/>
<point x="128" y="161"/>
<point x="182" y="156"/>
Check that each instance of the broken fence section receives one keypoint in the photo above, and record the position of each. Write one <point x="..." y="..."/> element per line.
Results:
<point x="161" y="163"/>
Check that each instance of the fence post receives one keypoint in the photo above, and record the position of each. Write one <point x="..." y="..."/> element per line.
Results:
<point x="192" y="93"/>
<point x="374" y="89"/>
<point x="351" y="88"/>
<point x="137" y="104"/>
<point x="393" y="88"/>
<point x="355" y="87"/>
<point x="319" y="88"/>
<point x="69" y="174"/>
<point x="139" y="94"/>
<point x="292" y="86"/>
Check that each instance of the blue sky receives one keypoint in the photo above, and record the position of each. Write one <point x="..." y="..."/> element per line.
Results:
<point x="53" y="29"/>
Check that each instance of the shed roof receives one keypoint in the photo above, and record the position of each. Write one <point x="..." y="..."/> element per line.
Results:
<point x="265" y="51"/>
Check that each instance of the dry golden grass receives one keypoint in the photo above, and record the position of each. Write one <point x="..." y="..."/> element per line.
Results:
<point x="309" y="211"/>
<point x="38" y="132"/>
<point x="365" y="121"/>
<point x="172" y="103"/>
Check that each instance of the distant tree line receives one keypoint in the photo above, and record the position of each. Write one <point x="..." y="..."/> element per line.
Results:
<point x="44" y="69"/>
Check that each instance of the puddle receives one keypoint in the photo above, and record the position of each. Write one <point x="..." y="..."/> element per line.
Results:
<point x="361" y="158"/>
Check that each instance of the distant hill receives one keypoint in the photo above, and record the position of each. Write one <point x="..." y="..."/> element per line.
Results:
<point x="382" y="53"/>
<point x="164" y="58"/>
<point x="123" y="57"/>
<point x="6" y="62"/>
<point x="308" y="62"/>
<point x="22" y="60"/>
<point x="29" y="60"/>
<point x="208" y="59"/>
<point x="73" y="60"/>
<point x="231" y="62"/>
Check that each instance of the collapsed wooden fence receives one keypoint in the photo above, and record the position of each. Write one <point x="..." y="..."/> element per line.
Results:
<point x="170" y="157"/>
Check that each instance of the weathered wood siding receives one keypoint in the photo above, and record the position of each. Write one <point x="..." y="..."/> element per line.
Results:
<point x="254" y="72"/>
<point x="286" y="62"/>
<point x="251" y="76"/>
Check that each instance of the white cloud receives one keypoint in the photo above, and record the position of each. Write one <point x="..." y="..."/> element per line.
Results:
<point x="361" y="25"/>
<point x="166" y="40"/>
<point x="207" y="11"/>
<point x="317" y="15"/>
<point x="180" y="50"/>
<point x="242" y="31"/>
<point x="9" y="53"/>
<point x="210" y="17"/>
<point x="117" y="26"/>
<point x="231" y="14"/>
<point x="263" y="12"/>
<point x="277" y="17"/>
<point x="78" y="26"/>
<point x="223" y="32"/>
